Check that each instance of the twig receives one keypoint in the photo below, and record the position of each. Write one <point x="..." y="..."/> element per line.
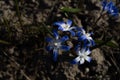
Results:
<point x="113" y="60"/>
<point x="99" y="18"/>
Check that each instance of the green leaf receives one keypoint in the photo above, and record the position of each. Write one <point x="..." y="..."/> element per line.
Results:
<point x="110" y="43"/>
<point x="71" y="10"/>
<point x="99" y="41"/>
<point x="4" y="42"/>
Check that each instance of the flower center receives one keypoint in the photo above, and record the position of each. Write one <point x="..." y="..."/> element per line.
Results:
<point x="55" y="44"/>
<point x="81" y="56"/>
<point x="87" y="35"/>
<point x="65" y="26"/>
<point x="112" y="10"/>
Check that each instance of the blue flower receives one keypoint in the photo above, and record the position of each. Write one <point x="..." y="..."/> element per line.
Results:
<point x="104" y="3"/>
<point x="83" y="55"/>
<point x="113" y="11"/>
<point x="55" y="44"/>
<point x="65" y="26"/>
<point x="110" y="8"/>
<point x="86" y="37"/>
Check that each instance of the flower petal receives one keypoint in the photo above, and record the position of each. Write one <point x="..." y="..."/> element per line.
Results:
<point x="81" y="38"/>
<point x="65" y="48"/>
<point x="64" y="38"/>
<point x="55" y="54"/>
<point x="87" y="58"/>
<point x="76" y="60"/>
<point x="79" y="53"/>
<point x="55" y="34"/>
<point x="79" y="33"/>
<point x="82" y="60"/>
<point x="104" y="3"/>
<point x="60" y="28"/>
<point x="72" y="33"/>
<point x="83" y="50"/>
<point x="89" y="43"/>
<point x="77" y="47"/>
<point x="74" y="27"/>
<point x="48" y="39"/>
<point x="59" y="23"/>
<point x="86" y="43"/>
<point x="108" y="6"/>
<point x="87" y="52"/>
<point x="91" y="33"/>
<point x="49" y="48"/>
<point x="82" y="30"/>
<point x="69" y="23"/>
<point x="92" y="42"/>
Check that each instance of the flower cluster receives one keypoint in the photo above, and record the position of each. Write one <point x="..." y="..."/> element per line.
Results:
<point x="110" y="8"/>
<point x="80" y="39"/>
<point x="81" y="48"/>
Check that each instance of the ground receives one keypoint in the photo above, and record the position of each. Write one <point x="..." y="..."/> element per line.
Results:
<point x="23" y="30"/>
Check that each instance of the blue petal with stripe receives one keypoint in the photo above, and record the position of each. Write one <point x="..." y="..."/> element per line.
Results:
<point x="80" y="29"/>
<point x="108" y="6"/>
<point x="64" y="38"/>
<point x="59" y="24"/>
<point x="77" y="47"/>
<point x="60" y="28"/>
<point x="49" y="48"/>
<point x="48" y="39"/>
<point x="73" y="62"/>
<point x="55" y="33"/>
<point x="76" y="60"/>
<point x="65" y="48"/>
<point x="88" y="58"/>
<point x="104" y="3"/>
<point x="69" y="22"/>
<point x="92" y="42"/>
<point x="79" y="33"/>
<point x="55" y="54"/>
<point x="72" y="33"/>
<point x="83" y="37"/>
<point x="89" y="43"/>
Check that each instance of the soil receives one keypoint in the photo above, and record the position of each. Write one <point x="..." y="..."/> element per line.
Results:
<point x="22" y="46"/>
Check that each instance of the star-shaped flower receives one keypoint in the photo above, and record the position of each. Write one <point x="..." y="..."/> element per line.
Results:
<point x="55" y="44"/>
<point x="110" y="8"/>
<point x="86" y="37"/>
<point x="65" y="26"/>
<point x="83" y="55"/>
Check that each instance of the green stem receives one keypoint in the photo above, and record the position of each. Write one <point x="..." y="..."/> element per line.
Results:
<point x="18" y="12"/>
<point x="101" y="14"/>
<point x="6" y="22"/>
<point x="44" y="26"/>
